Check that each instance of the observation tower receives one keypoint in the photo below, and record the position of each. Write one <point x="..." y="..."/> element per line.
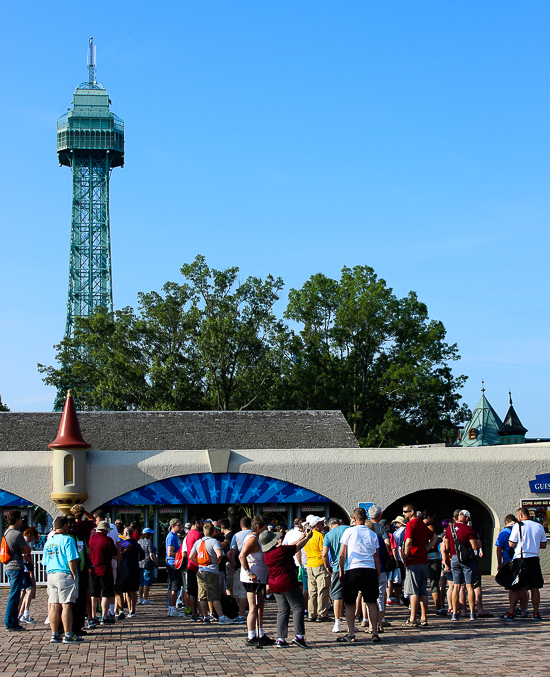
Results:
<point x="90" y="140"/>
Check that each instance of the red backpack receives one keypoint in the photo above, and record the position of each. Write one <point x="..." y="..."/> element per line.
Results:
<point x="178" y="559"/>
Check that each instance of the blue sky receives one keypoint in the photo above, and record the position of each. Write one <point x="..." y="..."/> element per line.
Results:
<point x="293" y="138"/>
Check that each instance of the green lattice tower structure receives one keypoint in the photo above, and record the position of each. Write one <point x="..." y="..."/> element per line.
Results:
<point x="90" y="140"/>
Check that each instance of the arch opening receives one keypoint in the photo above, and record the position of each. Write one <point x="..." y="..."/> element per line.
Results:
<point x="444" y="502"/>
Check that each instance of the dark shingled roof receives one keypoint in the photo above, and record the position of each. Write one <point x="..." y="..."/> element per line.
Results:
<point x="512" y="425"/>
<point x="144" y="430"/>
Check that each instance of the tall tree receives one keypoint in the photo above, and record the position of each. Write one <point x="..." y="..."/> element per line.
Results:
<point x="3" y="407"/>
<point x="376" y="357"/>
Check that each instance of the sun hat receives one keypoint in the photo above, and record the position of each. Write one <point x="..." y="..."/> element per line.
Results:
<point x="103" y="526"/>
<point x="269" y="539"/>
<point x="399" y="520"/>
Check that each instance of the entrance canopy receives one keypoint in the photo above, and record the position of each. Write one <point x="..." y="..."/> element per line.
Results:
<point x="12" y="501"/>
<point x="218" y="488"/>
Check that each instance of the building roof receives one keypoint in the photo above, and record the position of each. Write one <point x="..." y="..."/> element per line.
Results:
<point x="152" y="430"/>
<point x="485" y="422"/>
<point x="512" y="425"/>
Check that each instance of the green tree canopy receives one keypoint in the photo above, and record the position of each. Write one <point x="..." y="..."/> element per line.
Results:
<point x="214" y="342"/>
<point x="3" y="407"/>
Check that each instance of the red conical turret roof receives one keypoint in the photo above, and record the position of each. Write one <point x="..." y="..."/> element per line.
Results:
<point x="69" y="435"/>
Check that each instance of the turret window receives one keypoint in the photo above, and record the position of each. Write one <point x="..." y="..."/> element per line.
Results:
<point x="68" y="468"/>
<point x="472" y="434"/>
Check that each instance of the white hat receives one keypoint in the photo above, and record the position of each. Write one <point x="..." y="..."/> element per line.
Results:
<point x="316" y="520"/>
<point x="464" y="512"/>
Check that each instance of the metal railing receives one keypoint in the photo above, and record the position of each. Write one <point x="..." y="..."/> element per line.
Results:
<point x="39" y="570"/>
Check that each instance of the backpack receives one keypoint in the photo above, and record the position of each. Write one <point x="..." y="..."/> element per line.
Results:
<point x="463" y="552"/>
<point x="178" y="559"/>
<point x="5" y="554"/>
<point x="230" y="607"/>
<point x="203" y="558"/>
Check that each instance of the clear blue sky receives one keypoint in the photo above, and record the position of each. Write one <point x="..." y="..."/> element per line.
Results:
<point x="293" y="138"/>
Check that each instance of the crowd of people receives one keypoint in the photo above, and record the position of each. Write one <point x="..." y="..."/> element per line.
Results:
<point x="317" y="571"/>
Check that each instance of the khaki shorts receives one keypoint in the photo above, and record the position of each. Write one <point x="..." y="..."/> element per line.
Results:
<point x="209" y="587"/>
<point x="62" y="588"/>
<point x="238" y="588"/>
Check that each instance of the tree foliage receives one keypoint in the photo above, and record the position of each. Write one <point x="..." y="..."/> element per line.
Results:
<point x="3" y="407"/>
<point x="214" y="342"/>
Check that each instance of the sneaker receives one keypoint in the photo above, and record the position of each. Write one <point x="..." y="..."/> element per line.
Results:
<point x="27" y="619"/>
<point x="441" y="612"/>
<point x="71" y="638"/>
<point x="301" y="642"/>
<point x="473" y="617"/>
<point x="47" y="621"/>
<point x="322" y="619"/>
<point x="282" y="644"/>
<point x="213" y="619"/>
<point x="524" y="614"/>
<point x="537" y="617"/>
<point x="455" y="617"/>
<point x="252" y="642"/>
<point x="55" y="639"/>
<point x="121" y="616"/>
<point x="146" y="602"/>
<point x="266" y="641"/>
<point x="507" y="617"/>
<point x="224" y="620"/>
<point x="179" y="605"/>
<point x="174" y="612"/>
<point x="107" y="620"/>
<point x="92" y="624"/>
<point x="206" y="620"/>
<point x="196" y="618"/>
<point x="336" y="626"/>
<point x="132" y="615"/>
<point x="140" y="601"/>
<point x="364" y="623"/>
<point x="239" y="619"/>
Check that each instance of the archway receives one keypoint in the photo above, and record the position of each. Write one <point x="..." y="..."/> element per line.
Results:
<point x="445" y="502"/>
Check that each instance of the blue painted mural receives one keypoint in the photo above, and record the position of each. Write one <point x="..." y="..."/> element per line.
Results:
<point x="11" y="500"/>
<point x="217" y="488"/>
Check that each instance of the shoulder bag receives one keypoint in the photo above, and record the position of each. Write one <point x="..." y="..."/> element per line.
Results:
<point x="512" y="575"/>
<point x="463" y="552"/>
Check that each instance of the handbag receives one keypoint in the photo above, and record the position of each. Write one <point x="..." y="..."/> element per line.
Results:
<point x="512" y="575"/>
<point x="463" y="552"/>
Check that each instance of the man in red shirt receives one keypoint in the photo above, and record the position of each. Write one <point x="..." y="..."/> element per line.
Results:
<point x="194" y="535"/>
<point x="102" y="584"/>
<point x="418" y="540"/>
<point x="463" y="572"/>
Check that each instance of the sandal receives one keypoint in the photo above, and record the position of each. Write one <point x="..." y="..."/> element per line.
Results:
<point x="347" y="638"/>
<point x="375" y="638"/>
<point x="424" y="624"/>
<point x="410" y="624"/>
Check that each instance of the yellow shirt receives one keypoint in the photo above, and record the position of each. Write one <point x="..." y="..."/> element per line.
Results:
<point x="313" y="549"/>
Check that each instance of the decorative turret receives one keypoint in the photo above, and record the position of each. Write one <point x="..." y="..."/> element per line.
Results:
<point x="483" y="427"/>
<point x="512" y="431"/>
<point x="69" y="460"/>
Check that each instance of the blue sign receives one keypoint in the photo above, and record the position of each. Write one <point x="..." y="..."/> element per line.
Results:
<point x="541" y="484"/>
<point x="366" y="506"/>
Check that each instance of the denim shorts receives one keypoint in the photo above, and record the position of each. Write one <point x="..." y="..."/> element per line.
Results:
<point x="463" y="573"/>
<point x="147" y="577"/>
<point x="416" y="580"/>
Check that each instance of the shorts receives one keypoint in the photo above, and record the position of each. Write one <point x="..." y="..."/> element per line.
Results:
<point x="192" y="584"/>
<point x="361" y="580"/>
<point x="175" y="578"/>
<point x="238" y="588"/>
<point x="255" y="587"/>
<point x="434" y="574"/>
<point x="209" y="587"/>
<point x="101" y="586"/>
<point x="395" y="576"/>
<point x="304" y="579"/>
<point x="146" y="578"/>
<point x="62" y="588"/>
<point x="27" y="582"/>
<point x="463" y="573"/>
<point x="336" y="591"/>
<point x="533" y="574"/>
<point x="448" y="575"/>
<point x="416" y="580"/>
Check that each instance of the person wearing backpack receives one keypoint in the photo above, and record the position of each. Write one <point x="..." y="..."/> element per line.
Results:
<point x="15" y="553"/>
<point x="207" y="554"/>
<point x="460" y="542"/>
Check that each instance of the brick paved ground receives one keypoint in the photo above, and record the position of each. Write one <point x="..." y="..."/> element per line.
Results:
<point x="152" y="644"/>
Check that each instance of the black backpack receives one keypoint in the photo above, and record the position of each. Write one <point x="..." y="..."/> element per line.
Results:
<point x="463" y="552"/>
<point x="230" y="607"/>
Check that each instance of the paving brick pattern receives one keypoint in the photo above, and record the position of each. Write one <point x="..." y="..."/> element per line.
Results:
<point x="153" y="644"/>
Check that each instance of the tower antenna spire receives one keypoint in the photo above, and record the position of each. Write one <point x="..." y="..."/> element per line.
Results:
<point x="91" y="62"/>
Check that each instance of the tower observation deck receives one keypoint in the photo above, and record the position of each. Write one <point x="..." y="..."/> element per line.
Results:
<point x="90" y="140"/>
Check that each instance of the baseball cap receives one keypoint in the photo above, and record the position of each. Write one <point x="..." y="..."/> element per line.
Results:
<point x="464" y="512"/>
<point x="315" y="520"/>
<point x="174" y="520"/>
<point x="188" y="525"/>
<point x="147" y="531"/>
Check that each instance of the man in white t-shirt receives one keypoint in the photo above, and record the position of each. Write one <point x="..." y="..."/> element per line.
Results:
<point x="293" y="536"/>
<point x="360" y="545"/>
<point x="529" y="539"/>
